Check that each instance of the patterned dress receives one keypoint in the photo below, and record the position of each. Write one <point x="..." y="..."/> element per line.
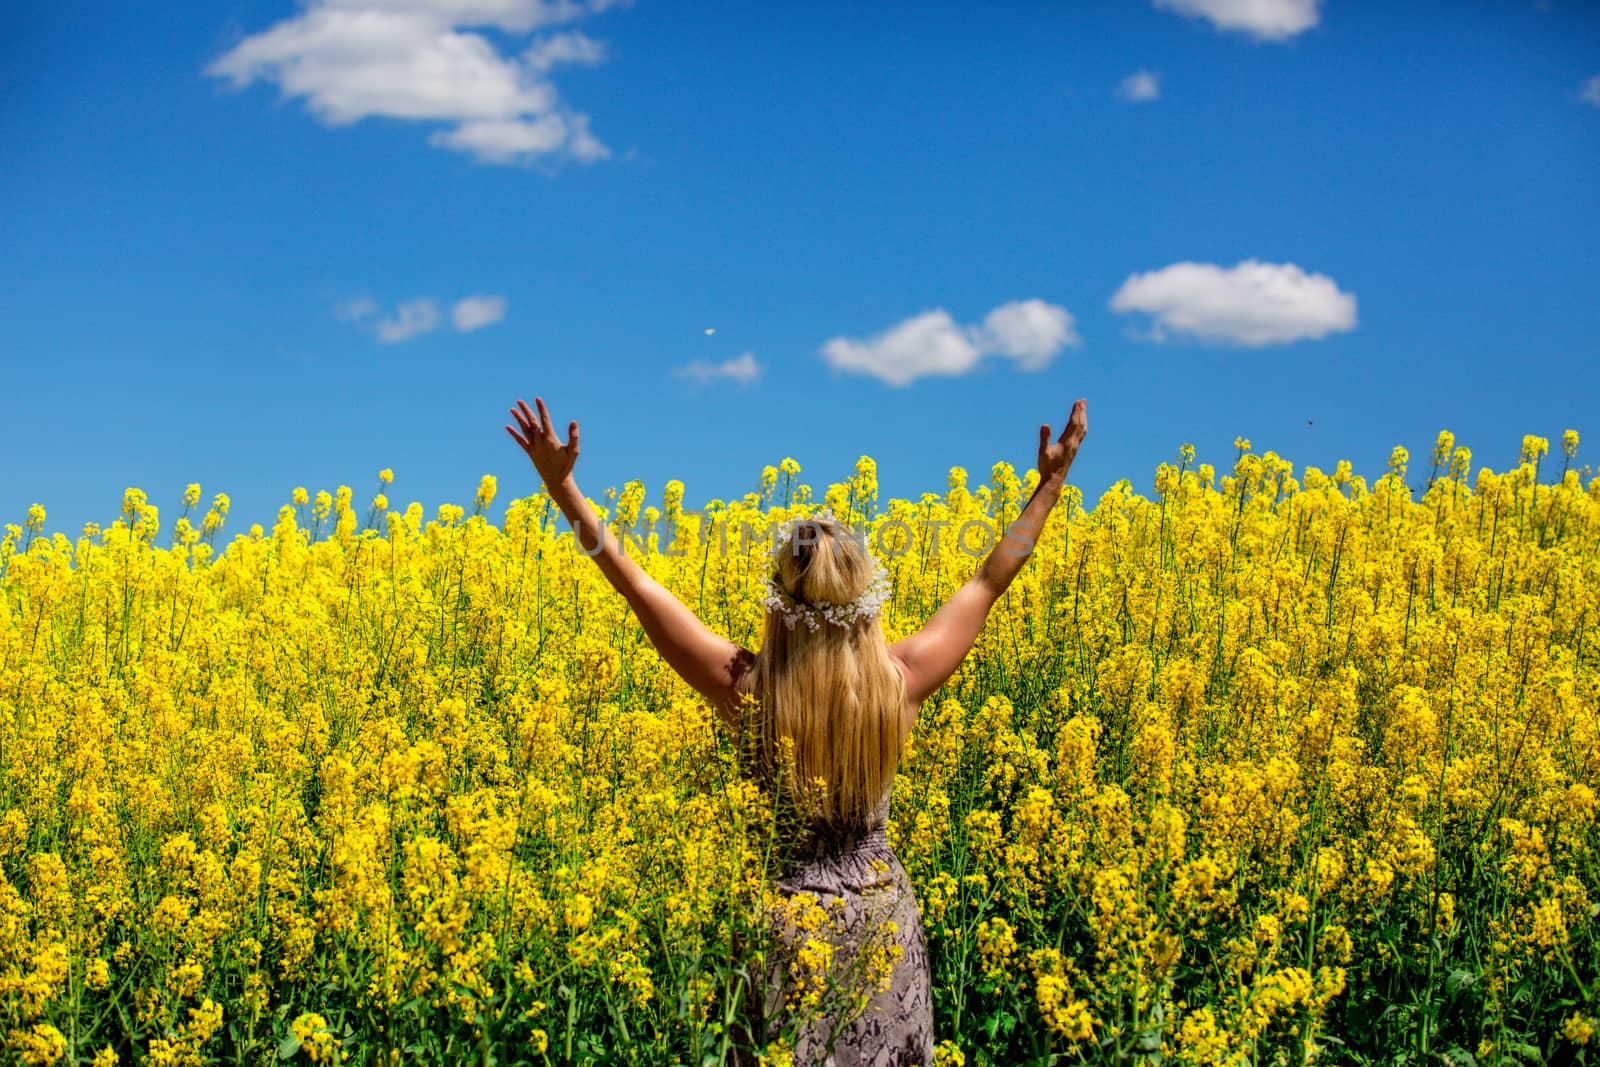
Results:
<point x="849" y="979"/>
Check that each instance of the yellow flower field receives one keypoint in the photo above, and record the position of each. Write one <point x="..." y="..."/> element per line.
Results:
<point x="1253" y="769"/>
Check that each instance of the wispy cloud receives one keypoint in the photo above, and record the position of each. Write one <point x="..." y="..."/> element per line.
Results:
<point x="743" y="369"/>
<point x="564" y="49"/>
<point x="1140" y="85"/>
<point x="416" y="60"/>
<point x="1030" y="331"/>
<point x="411" y="319"/>
<point x="1265" y="20"/>
<point x="355" y="309"/>
<point x="1251" y="303"/>
<point x="476" y="312"/>
<point x="1589" y="91"/>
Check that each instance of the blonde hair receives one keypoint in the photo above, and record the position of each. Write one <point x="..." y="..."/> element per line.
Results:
<point x="832" y="693"/>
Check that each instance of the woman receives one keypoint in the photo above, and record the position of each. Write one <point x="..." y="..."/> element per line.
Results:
<point x="832" y="706"/>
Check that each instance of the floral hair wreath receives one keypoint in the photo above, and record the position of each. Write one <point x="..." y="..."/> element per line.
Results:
<point x="865" y="606"/>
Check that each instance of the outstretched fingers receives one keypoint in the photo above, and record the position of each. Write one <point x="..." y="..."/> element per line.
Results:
<point x="545" y="426"/>
<point x="525" y="420"/>
<point x="535" y="434"/>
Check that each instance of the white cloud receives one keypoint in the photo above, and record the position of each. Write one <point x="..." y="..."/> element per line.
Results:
<point x="514" y="16"/>
<point x="1030" y="331"/>
<point x="1140" y="85"/>
<point x="410" y="59"/>
<point x="744" y="370"/>
<point x="1252" y="303"/>
<point x="506" y="140"/>
<point x="929" y="343"/>
<point x="410" y="319"/>
<point x="560" y="49"/>
<point x="1590" y="91"/>
<point x="476" y="312"/>
<point x="1265" y="20"/>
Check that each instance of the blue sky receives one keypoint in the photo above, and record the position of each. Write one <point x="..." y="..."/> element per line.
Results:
<point x="917" y="230"/>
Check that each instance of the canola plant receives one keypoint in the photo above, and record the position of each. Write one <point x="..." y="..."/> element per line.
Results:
<point x="1258" y="769"/>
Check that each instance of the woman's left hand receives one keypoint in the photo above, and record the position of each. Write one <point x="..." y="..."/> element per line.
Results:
<point x="553" y="459"/>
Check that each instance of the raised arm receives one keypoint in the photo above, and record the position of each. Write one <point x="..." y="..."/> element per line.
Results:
<point x="712" y="664"/>
<point x="933" y="653"/>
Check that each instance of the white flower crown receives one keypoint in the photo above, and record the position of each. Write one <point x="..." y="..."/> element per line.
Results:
<point x="865" y="606"/>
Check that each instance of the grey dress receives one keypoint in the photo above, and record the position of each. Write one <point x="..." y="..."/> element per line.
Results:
<point x="850" y="988"/>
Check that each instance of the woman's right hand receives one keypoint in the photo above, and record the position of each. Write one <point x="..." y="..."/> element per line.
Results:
<point x="551" y="458"/>
<point x="1055" y="458"/>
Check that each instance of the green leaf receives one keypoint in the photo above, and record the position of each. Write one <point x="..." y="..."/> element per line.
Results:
<point x="288" y="1047"/>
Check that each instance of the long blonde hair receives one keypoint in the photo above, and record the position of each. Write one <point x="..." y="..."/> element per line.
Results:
<point x="832" y="692"/>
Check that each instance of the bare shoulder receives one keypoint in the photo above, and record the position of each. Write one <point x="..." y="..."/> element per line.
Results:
<point x="740" y="666"/>
<point x="910" y="708"/>
<point x="729" y="701"/>
<point x="899" y="665"/>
